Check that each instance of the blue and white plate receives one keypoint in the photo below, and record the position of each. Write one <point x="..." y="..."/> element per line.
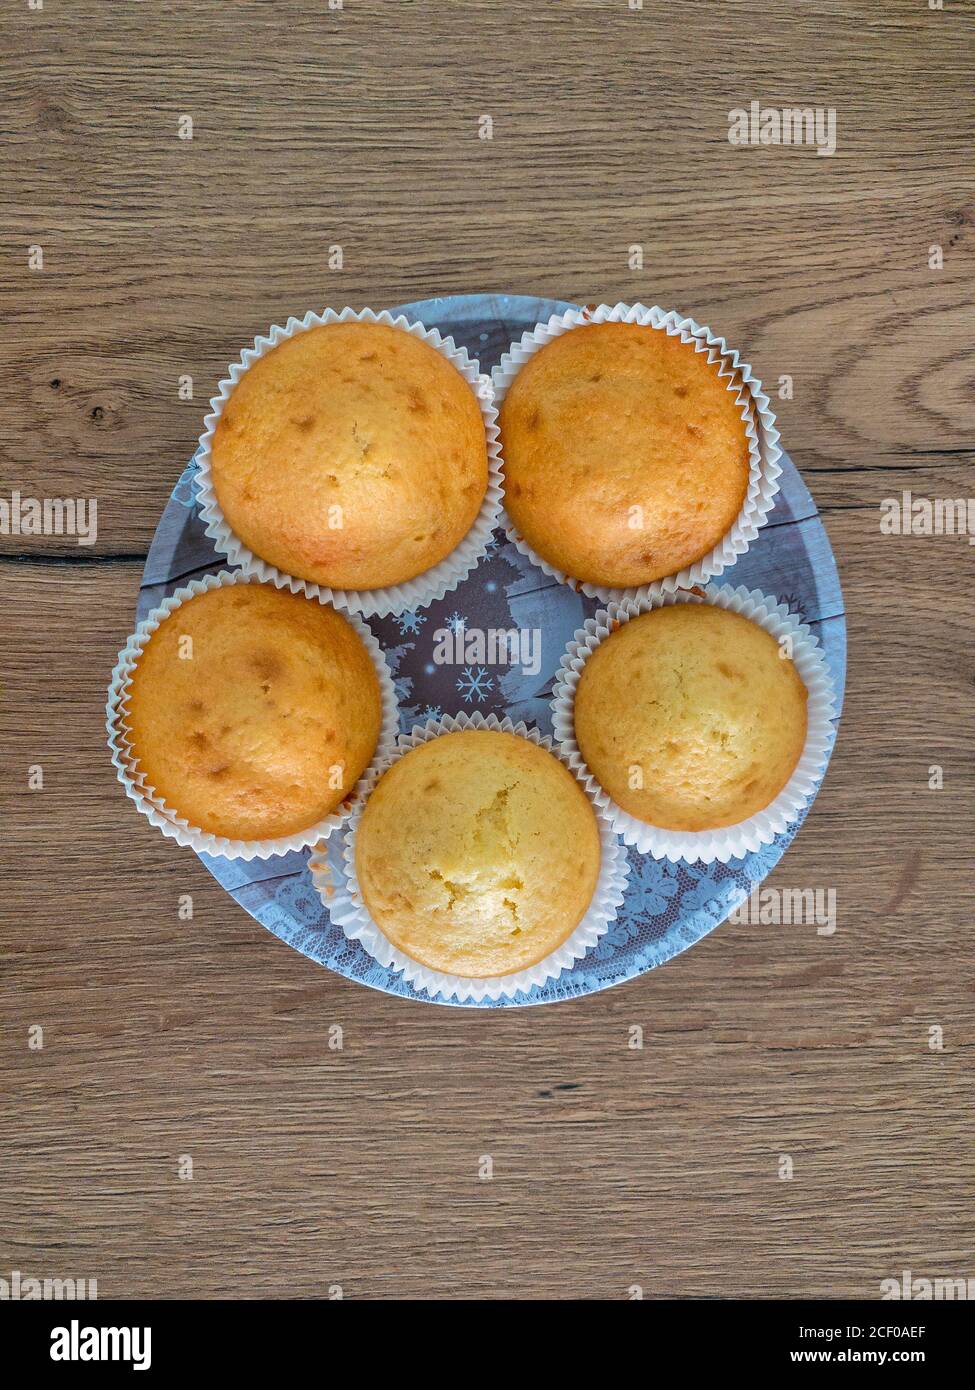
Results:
<point x="668" y="906"/>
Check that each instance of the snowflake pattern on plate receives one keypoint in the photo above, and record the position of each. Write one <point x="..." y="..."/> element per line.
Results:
<point x="475" y="684"/>
<point x="409" y="623"/>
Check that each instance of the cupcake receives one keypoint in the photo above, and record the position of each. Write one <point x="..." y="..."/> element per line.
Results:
<point x="352" y="455"/>
<point x="251" y="712"/>
<point x="690" y="717"/>
<point x="626" y="453"/>
<point x="477" y="853"/>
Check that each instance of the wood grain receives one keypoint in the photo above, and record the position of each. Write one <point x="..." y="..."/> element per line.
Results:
<point x="161" y="1038"/>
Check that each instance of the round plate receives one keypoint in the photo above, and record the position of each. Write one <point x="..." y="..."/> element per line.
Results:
<point x="668" y="906"/>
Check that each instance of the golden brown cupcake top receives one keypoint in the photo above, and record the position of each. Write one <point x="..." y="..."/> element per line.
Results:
<point x="690" y="717"/>
<point x="253" y="711"/>
<point x="477" y="853"/>
<point x="352" y="455"/>
<point x="625" y="454"/>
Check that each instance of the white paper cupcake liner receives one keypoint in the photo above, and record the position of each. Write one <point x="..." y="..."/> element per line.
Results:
<point x="764" y="453"/>
<point x="163" y="817"/>
<point x="749" y="835"/>
<point x="347" y="909"/>
<point x="415" y="593"/>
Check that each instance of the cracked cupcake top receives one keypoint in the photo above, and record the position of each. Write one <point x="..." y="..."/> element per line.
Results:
<point x="477" y="853"/>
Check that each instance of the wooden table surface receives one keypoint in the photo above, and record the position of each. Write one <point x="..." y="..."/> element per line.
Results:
<point x="613" y="1167"/>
